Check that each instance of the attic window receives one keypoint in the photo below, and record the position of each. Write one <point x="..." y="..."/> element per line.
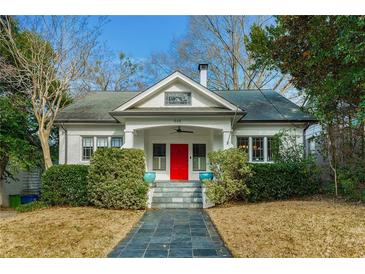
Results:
<point x="177" y="98"/>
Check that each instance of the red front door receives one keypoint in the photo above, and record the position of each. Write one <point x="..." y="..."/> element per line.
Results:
<point x="179" y="169"/>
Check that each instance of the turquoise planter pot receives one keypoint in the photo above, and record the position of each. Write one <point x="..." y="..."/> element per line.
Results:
<point x="149" y="177"/>
<point x="206" y="175"/>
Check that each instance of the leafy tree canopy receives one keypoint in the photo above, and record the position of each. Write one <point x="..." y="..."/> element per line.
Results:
<point x="323" y="54"/>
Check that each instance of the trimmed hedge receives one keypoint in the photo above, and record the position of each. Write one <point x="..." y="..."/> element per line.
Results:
<point x="65" y="185"/>
<point x="276" y="181"/>
<point x="116" y="179"/>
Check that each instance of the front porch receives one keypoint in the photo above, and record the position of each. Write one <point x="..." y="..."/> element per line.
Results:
<point x="178" y="155"/>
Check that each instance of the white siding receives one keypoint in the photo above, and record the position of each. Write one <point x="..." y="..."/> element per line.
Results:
<point x="74" y="139"/>
<point x="158" y="99"/>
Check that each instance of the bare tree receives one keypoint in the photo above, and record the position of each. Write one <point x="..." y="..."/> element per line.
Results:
<point x="218" y="40"/>
<point x="106" y="73"/>
<point x="58" y="48"/>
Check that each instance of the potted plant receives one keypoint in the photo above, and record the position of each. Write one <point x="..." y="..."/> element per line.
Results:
<point x="149" y="177"/>
<point x="205" y="175"/>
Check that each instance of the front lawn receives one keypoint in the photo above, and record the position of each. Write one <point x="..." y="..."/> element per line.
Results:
<point x="292" y="229"/>
<point x="65" y="232"/>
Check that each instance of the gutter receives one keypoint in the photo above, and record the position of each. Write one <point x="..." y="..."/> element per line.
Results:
<point x="304" y="139"/>
<point x="65" y="130"/>
<point x="185" y="113"/>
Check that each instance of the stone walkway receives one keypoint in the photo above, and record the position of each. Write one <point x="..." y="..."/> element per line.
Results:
<point x="172" y="233"/>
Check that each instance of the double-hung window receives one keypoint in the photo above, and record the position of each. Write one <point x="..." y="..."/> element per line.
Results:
<point x="102" y="142"/>
<point x="243" y="143"/>
<point x="257" y="149"/>
<point x="159" y="156"/>
<point x="116" y="142"/>
<point x="199" y="157"/>
<point x="87" y="148"/>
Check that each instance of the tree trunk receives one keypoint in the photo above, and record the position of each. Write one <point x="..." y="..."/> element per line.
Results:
<point x="4" y="159"/>
<point x="332" y="152"/>
<point x="44" y="137"/>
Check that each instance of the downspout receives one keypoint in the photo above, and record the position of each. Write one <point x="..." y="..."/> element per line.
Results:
<point x="234" y="122"/>
<point x="65" y="130"/>
<point x="304" y="139"/>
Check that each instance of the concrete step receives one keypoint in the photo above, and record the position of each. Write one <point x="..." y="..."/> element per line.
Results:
<point x="177" y="189"/>
<point x="178" y="184"/>
<point x="176" y="200"/>
<point x="178" y="194"/>
<point x="177" y="205"/>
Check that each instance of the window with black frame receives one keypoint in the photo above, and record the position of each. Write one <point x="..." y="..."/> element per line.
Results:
<point x="87" y="148"/>
<point x="257" y="149"/>
<point x="159" y="156"/>
<point x="199" y="157"/>
<point x="116" y="142"/>
<point x="243" y="143"/>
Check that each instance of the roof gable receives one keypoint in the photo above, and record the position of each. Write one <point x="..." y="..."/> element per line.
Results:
<point x="177" y="82"/>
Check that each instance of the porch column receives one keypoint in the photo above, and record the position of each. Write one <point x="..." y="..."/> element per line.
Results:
<point x="227" y="139"/>
<point x="128" y="138"/>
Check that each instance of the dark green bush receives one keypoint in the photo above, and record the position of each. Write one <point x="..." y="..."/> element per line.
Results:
<point x="231" y="172"/>
<point x="277" y="181"/>
<point x="116" y="178"/>
<point x="65" y="185"/>
<point x="352" y="182"/>
<point x="31" y="206"/>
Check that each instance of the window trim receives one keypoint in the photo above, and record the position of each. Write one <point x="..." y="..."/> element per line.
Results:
<point x="248" y="143"/>
<point x="250" y="146"/>
<point x="82" y="147"/>
<point x="102" y="137"/>
<point x="263" y="149"/>
<point x="95" y="140"/>
<point x="160" y="157"/>
<point x="267" y="149"/>
<point x="205" y="157"/>
<point x="116" y="136"/>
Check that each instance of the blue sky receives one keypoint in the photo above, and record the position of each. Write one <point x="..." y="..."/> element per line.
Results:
<point x="139" y="36"/>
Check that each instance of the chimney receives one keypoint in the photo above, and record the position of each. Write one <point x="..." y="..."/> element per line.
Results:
<point x="203" y="70"/>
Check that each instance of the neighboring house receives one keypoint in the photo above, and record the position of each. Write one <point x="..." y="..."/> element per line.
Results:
<point x="177" y="122"/>
<point x="25" y="182"/>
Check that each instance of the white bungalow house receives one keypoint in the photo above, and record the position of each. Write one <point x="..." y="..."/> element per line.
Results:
<point x="177" y="122"/>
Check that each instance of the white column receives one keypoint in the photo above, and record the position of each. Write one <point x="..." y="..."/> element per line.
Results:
<point x="250" y="149"/>
<point x="265" y="149"/>
<point x="128" y="138"/>
<point x="62" y="146"/>
<point x="227" y="139"/>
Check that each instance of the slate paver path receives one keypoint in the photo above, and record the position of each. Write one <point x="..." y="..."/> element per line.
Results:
<point x="172" y="233"/>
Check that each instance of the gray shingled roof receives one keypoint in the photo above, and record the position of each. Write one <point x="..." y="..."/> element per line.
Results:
<point x="258" y="107"/>
<point x="95" y="106"/>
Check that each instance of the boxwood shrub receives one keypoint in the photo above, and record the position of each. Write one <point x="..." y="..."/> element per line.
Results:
<point x="116" y="179"/>
<point x="231" y="172"/>
<point x="276" y="181"/>
<point x="65" y="185"/>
